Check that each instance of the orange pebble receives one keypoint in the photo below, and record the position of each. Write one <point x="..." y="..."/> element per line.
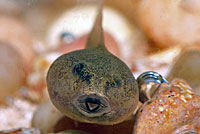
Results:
<point x="174" y="109"/>
<point x="65" y="123"/>
<point x="11" y="70"/>
<point x="80" y="43"/>
<point x="15" y="34"/>
<point x="170" y="22"/>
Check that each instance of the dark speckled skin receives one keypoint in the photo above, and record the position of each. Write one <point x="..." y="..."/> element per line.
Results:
<point x="102" y="74"/>
<point x="110" y="77"/>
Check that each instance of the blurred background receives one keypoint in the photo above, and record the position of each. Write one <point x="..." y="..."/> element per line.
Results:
<point x="33" y="33"/>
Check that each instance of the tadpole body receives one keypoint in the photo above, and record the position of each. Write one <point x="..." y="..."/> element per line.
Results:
<point x="92" y="85"/>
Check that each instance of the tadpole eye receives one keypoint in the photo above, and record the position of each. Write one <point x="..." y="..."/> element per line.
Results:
<point x="78" y="68"/>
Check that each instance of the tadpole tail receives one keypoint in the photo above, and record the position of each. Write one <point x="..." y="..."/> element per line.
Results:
<point x="96" y="36"/>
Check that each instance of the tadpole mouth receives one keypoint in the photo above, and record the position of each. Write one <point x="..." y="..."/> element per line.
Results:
<point x="92" y="105"/>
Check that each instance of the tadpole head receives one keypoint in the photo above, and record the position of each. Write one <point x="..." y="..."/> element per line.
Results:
<point x="87" y="86"/>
